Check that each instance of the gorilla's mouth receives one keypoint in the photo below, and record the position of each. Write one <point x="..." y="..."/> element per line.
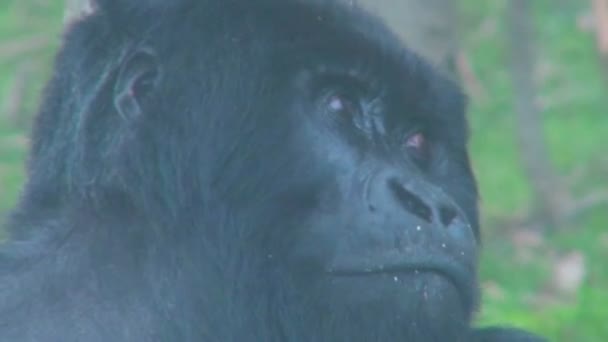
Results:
<point x="457" y="275"/>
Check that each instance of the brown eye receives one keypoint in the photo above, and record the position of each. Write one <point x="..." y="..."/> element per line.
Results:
<point x="416" y="141"/>
<point x="418" y="146"/>
<point x="336" y="103"/>
<point x="341" y="103"/>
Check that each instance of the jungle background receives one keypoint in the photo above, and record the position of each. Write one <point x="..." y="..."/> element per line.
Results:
<point x="536" y="73"/>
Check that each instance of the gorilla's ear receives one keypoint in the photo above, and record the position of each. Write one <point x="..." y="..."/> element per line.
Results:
<point x="137" y="79"/>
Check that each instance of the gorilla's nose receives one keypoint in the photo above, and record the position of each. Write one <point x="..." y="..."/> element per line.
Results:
<point x="423" y="202"/>
<point x="419" y="199"/>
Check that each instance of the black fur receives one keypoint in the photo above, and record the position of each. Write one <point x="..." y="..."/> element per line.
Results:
<point x="237" y="170"/>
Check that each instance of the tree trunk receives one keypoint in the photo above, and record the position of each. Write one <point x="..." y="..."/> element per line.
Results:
<point x="551" y="198"/>
<point x="600" y="8"/>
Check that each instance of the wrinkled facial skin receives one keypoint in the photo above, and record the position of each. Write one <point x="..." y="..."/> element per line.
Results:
<point x="378" y="221"/>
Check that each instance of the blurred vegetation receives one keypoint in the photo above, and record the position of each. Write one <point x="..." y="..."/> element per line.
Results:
<point x="553" y="283"/>
<point x="29" y="34"/>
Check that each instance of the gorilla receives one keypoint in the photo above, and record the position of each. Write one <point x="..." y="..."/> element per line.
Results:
<point x="237" y="170"/>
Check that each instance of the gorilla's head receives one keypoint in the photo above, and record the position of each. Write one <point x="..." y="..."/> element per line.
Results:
<point x="329" y="160"/>
<point x="248" y="170"/>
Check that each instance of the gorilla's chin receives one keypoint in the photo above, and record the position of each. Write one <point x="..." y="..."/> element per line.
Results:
<point x="400" y="307"/>
<point x="401" y="294"/>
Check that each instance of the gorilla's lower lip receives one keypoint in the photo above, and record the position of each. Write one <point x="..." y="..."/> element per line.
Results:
<point x="456" y="274"/>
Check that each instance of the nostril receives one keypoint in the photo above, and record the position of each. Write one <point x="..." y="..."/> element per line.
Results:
<point x="447" y="215"/>
<point x="410" y="201"/>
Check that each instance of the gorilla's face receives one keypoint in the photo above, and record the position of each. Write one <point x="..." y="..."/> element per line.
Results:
<point x="373" y="212"/>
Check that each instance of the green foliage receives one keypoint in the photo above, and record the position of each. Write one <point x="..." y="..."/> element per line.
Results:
<point x="518" y="281"/>
<point x="20" y="21"/>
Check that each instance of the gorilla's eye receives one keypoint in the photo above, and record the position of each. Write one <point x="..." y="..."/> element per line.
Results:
<point x="342" y="103"/>
<point x="418" y="146"/>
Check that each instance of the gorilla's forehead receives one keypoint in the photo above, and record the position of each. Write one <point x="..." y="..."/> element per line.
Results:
<point x="331" y="31"/>
<point x="314" y="36"/>
<point x="343" y="38"/>
<point x="312" y="28"/>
